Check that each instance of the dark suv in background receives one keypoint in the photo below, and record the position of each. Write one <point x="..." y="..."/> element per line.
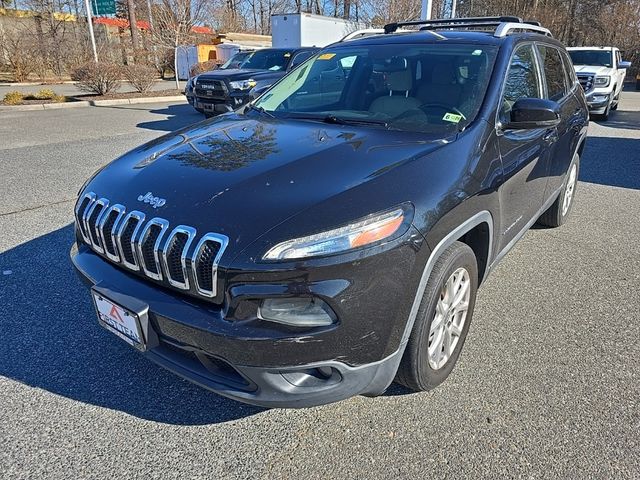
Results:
<point x="331" y="238"/>
<point x="224" y="90"/>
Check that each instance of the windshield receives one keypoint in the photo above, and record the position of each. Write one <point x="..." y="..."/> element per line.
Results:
<point x="235" y="61"/>
<point x="601" y="58"/>
<point x="268" y="59"/>
<point x="424" y="88"/>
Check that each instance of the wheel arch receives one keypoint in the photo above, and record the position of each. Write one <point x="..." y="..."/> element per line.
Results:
<point x="477" y="230"/>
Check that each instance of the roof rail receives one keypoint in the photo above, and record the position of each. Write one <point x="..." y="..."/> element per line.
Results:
<point x="505" y="29"/>
<point x="452" y="22"/>
<point x="364" y="32"/>
<point x="503" y="25"/>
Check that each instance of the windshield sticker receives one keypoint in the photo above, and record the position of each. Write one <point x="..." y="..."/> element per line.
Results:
<point x="476" y="52"/>
<point x="287" y="55"/>
<point x="452" y="117"/>
<point x="326" y="56"/>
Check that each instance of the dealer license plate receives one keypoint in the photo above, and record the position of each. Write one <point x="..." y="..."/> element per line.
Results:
<point x="118" y="320"/>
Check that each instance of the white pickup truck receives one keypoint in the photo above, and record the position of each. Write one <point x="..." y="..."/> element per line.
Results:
<point x="601" y="72"/>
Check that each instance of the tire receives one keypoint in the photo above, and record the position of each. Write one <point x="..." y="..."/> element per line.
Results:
<point x="558" y="212"/>
<point x="417" y="371"/>
<point x="616" y="102"/>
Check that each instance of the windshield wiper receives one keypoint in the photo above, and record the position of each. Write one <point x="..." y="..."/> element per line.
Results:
<point x="261" y="110"/>
<point x="340" y="120"/>
<point x="353" y="121"/>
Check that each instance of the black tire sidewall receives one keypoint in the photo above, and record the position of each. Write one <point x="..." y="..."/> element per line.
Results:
<point x="462" y="256"/>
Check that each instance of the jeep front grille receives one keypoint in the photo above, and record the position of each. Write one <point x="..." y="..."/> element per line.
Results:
<point x="149" y="247"/>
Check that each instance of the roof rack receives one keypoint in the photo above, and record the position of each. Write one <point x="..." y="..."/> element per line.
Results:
<point x="503" y="25"/>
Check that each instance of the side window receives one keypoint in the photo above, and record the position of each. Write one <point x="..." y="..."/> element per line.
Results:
<point x="569" y="70"/>
<point x="522" y="80"/>
<point x="553" y="72"/>
<point x="301" y="58"/>
<point x="327" y="79"/>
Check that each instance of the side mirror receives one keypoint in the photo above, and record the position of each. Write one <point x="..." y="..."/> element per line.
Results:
<point x="529" y="113"/>
<point x="257" y="91"/>
<point x="623" y="65"/>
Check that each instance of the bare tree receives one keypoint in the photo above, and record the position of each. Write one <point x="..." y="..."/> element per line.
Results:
<point x="18" y="50"/>
<point x="174" y="21"/>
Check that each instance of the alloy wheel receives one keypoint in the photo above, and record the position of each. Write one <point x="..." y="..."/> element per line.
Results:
<point x="448" y="322"/>
<point x="568" y="194"/>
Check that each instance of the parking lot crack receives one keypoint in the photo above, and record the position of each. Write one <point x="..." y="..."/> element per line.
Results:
<point x="28" y="209"/>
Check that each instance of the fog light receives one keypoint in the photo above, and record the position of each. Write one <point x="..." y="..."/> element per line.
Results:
<point x="297" y="312"/>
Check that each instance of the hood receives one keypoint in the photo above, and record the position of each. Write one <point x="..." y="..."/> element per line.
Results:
<point x="240" y="176"/>
<point x="233" y="74"/>
<point x="594" y="69"/>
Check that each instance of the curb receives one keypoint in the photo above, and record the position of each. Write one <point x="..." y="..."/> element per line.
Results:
<point x="94" y="103"/>
<point x="35" y="84"/>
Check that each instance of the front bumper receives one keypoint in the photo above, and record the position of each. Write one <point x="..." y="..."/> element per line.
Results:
<point x="264" y="365"/>
<point x="598" y="101"/>
<point x="229" y="103"/>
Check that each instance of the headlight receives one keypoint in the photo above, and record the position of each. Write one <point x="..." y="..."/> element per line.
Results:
<point x="243" y="84"/>
<point x="358" y="234"/>
<point x="602" y="81"/>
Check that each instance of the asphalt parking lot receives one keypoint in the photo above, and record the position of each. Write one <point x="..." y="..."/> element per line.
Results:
<point x="548" y="385"/>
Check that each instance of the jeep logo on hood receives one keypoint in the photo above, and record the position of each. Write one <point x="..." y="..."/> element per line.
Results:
<point x="156" y="202"/>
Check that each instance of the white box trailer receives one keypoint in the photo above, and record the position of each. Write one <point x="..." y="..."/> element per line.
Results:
<point x="307" y="30"/>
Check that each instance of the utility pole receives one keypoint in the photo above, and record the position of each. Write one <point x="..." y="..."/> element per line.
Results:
<point x="425" y="14"/>
<point x="91" y="35"/>
<point x="453" y="8"/>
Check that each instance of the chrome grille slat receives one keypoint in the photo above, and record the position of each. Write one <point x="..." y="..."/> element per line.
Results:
<point x="181" y="252"/>
<point x="109" y="237"/>
<point x="84" y="204"/>
<point x="148" y="267"/>
<point x="130" y="251"/>
<point x="586" y="81"/>
<point x="209" y="290"/>
<point x="149" y="247"/>
<point x="93" y="218"/>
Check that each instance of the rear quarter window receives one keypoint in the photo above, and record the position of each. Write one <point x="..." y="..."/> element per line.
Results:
<point x="569" y="69"/>
<point x="554" y="72"/>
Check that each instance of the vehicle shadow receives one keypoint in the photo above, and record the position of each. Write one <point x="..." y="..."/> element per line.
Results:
<point x="51" y="340"/>
<point x="178" y="116"/>
<point x="613" y="161"/>
<point x="626" y="119"/>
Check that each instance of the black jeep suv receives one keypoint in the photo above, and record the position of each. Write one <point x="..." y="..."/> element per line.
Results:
<point x="330" y="238"/>
<point x="225" y="90"/>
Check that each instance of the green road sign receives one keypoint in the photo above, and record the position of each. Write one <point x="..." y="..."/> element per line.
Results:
<point x="103" y="7"/>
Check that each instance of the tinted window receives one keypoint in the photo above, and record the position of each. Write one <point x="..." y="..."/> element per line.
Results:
<point x="553" y="72"/>
<point x="268" y="60"/>
<point x="300" y="58"/>
<point x="522" y="80"/>
<point x="569" y="71"/>
<point x="600" y="58"/>
<point x="235" y="61"/>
